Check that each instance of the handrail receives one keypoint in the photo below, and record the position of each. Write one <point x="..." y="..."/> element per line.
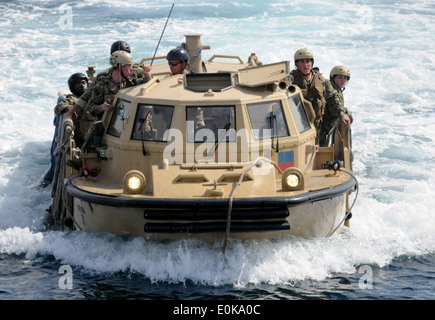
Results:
<point x="225" y="56"/>
<point x="148" y="59"/>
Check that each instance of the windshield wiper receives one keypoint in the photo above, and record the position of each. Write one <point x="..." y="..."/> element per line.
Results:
<point x="274" y="126"/>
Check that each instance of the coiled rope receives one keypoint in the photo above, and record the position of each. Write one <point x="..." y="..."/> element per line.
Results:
<point x="64" y="143"/>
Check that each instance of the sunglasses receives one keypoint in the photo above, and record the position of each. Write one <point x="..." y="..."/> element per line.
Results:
<point x="174" y="63"/>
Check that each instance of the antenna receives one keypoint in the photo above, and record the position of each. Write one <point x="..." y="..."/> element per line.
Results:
<point x="163" y="31"/>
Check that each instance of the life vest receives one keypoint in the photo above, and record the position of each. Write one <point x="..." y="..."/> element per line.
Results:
<point x="312" y="91"/>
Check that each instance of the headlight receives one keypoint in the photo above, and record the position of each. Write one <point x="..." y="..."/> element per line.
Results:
<point x="134" y="182"/>
<point x="292" y="179"/>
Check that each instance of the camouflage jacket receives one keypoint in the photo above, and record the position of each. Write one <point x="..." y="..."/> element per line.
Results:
<point x="104" y="88"/>
<point x="81" y="122"/>
<point x="334" y="111"/>
<point x="64" y="104"/>
<point x="317" y="91"/>
<point x="137" y="76"/>
<point x="335" y="108"/>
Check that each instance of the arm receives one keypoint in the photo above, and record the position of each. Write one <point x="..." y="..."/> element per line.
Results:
<point x="98" y="101"/>
<point x="335" y="103"/>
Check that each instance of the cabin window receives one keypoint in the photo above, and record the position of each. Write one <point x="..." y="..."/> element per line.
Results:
<point x="267" y="120"/>
<point x="117" y="122"/>
<point x="299" y="113"/>
<point x="210" y="123"/>
<point x="151" y="122"/>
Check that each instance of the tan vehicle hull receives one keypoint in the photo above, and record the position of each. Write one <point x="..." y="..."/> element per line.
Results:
<point x="249" y="186"/>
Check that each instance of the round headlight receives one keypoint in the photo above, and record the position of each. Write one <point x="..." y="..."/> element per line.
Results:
<point x="134" y="182"/>
<point x="292" y="179"/>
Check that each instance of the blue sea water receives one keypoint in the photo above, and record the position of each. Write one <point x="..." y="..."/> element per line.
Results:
<point x="387" y="254"/>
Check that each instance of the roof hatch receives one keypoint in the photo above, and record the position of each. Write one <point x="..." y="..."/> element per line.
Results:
<point x="202" y="82"/>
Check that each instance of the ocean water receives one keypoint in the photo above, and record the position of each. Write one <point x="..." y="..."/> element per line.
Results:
<point x="387" y="254"/>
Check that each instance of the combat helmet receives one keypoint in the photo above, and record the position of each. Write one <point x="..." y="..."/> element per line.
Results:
<point x="73" y="79"/>
<point x="121" y="57"/>
<point x="304" y="53"/>
<point x="178" y="54"/>
<point x="120" y="46"/>
<point x="341" y="71"/>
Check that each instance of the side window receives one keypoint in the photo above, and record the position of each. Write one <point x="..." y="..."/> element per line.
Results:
<point x="151" y="122"/>
<point x="267" y="120"/>
<point x="299" y="113"/>
<point x="118" y="120"/>
<point x="210" y="123"/>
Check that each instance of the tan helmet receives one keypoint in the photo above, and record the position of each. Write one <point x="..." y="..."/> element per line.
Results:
<point x="121" y="57"/>
<point x="304" y="53"/>
<point x="340" y="70"/>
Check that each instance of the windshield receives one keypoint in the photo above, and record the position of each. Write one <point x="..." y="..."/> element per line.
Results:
<point x="151" y="122"/>
<point x="267" y="120"/>
<point x="210" y="123"/>
<point x="118" y="121"/>
<point x="299" y="113"/>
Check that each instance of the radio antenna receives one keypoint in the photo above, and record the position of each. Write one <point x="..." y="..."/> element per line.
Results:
<point x="163" y="31"/>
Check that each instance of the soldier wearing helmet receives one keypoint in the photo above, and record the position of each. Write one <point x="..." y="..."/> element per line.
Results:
<point x="140" y="72"/>
<point x="178" y="59"/>
<point x="315" y="88"/>
<point x="106" y="85"/>
<point x="77" y="84"/>
<point x="335" y="109"/>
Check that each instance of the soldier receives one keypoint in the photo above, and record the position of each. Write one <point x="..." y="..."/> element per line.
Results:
<point x="178" y="59"/>
<point x="100" y="94"/>
<point x="221" y="120"/>
<point x="315" y="88"/>
<point x="144" y="126"/>
<point x="335" y="109"/>
<point x="77" y="84"/>
<point x="138" y="74"/>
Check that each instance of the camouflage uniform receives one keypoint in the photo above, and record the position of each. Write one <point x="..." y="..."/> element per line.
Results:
<point x="81" y="122"/>
<point x="335" y="110"/>
<point x="317" y="91"/>
<point x="137" y="76"/>
<point x="104" y="88"/>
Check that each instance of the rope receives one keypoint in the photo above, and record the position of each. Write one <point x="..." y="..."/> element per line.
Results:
<point x="230" y="205"/>
<point x="311" y="160"/>
<point x="354" y="200"/>
<point x="64" y="140"/>
<point x="246" y="169"/>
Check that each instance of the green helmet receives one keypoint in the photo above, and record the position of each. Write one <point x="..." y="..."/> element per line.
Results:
<point x="340" y="70"/>
<point x="304" y="53"/>
<point x="121" y="57"/>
